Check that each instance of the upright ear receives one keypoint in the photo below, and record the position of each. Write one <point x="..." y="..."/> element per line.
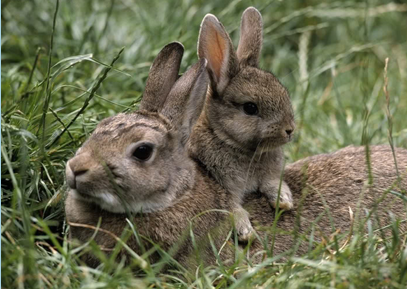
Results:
<point x="215" y="45"/>
<point x="162" y="76"/>
<point x="251" y="38"/>
<point x="186" y="99"/>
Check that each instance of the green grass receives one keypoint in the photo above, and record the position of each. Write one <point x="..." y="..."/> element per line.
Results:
<point x="58" y="80"/>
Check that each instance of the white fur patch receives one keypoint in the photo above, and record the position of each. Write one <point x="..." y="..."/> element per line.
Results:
<point x="112" y="203"/>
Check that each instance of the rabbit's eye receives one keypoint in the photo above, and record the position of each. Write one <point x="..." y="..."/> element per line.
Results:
<point x="250" y="108"/>
<point x="143" y="152"/>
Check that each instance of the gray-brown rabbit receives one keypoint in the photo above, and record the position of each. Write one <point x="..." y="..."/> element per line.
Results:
<point x="136" y="165"/>
<point x="326" y="186"/>
<point x="246" y="119"/>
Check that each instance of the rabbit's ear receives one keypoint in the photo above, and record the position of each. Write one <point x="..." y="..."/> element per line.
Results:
<point x="162" y="76"/>
<point x="251" y="38"/>
<point x="186" y="99"/>
<point x="215" y="45"/>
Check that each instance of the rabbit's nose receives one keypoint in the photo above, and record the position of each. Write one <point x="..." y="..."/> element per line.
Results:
<point x="289" y="129"/>
<point x="77" y="166"/>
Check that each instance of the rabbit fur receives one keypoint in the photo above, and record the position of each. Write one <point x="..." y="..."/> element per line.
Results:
<point x="161" y="193"/>
<point x="164" y="196"/>
<point x="332" y="196"/>
<point x="320" y="184"/>
<point x="246" y="119"/>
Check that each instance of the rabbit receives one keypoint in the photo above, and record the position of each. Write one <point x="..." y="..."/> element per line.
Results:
<point x="331" y="188"/>
<point x="246" y="120"/>
<point x="168" y="192"/>
<point x="136" y="166"/>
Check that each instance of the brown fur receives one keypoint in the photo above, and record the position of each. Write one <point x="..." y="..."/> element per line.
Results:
<point x="243" y="152"/>
<point x="162" y="194"/>
<point x="339" y="179"/>
<point x="334" y="183"/>
<point x="180" y="189"/>
<point x="166" y="228"/>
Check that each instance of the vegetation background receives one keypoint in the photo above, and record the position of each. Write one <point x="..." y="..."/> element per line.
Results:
<point x="330" y="55"/>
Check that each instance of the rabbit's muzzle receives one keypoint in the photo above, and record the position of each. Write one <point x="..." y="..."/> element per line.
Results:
<point x="88" y="182"/>
<point x="287" y="130"/>
<point x="79" y="171"/>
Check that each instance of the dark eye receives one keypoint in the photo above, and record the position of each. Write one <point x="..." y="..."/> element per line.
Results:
<point x="250" y="108"/>
<point x="143" y="152"/>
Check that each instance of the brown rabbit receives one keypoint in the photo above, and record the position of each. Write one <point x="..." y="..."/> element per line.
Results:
<point x="326" y="186"/>
<point x="136" y="165"/>
<point x="246" y="119"/>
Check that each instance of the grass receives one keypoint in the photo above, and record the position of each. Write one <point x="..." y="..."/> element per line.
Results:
<point x="63" y="70"/>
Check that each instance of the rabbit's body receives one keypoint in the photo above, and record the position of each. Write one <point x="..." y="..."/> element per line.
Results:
<point x="326" y="186"/>
<point x="247" y="118"/>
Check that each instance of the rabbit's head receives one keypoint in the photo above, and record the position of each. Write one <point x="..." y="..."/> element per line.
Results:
<point x="247" y="107"/>
<point x="137" y="162"/>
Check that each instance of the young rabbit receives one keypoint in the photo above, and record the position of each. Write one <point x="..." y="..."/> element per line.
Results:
<point x="137" y="164"/>
<point x="247" y="118"/>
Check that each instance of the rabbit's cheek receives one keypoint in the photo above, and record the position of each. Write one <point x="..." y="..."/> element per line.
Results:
<point x="242" y="128"/>
<point x="110" y="203"/>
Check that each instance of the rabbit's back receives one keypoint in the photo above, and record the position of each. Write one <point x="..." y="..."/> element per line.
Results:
<point x="325" y="186"/>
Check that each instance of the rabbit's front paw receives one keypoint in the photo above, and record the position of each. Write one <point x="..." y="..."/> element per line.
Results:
<point x="244" y="228"/>
<point x="286" y="199"/>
